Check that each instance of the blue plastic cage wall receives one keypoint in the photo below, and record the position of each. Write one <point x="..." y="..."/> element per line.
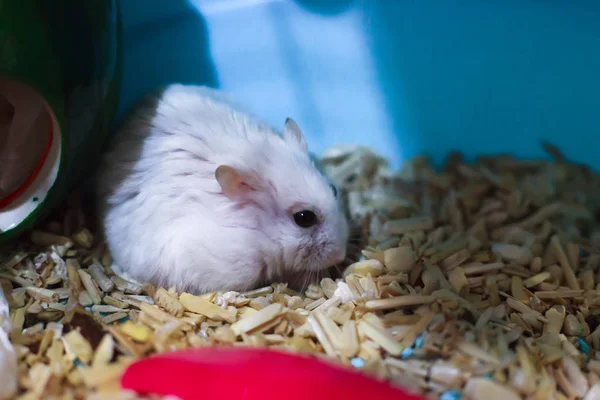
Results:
<point x="402" y="76"/>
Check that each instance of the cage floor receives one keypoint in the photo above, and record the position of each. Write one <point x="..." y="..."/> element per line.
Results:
<point x="478" y="281"/>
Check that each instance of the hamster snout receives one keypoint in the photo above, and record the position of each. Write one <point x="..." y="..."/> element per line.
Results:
<point x="339" y="256"/>
<point x="198" y="195"/>
<point x="341" y="249"/>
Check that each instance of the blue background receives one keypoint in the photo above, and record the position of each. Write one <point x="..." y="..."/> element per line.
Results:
<point x="401" y="76"/>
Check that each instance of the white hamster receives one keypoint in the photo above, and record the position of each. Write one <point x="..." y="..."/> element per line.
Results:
<point x="195" y="193"/>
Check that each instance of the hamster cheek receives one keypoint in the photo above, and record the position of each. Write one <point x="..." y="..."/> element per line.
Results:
<point x="298" y="257"/>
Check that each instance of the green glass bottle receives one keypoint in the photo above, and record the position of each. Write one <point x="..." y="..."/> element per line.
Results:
<point x="60" y="70"/>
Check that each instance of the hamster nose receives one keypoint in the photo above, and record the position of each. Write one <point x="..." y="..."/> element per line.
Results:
<point x="339" y="256"/>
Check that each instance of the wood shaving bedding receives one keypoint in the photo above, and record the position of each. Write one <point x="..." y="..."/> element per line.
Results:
<point x="477" y="281"/>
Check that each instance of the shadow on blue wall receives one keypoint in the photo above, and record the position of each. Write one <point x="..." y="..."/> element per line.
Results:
<point x="327" y="7"/>
<point x="487" y="76"/>
<point x="479" y="76"/>
<point x="494" y="77"/>
<point x="165" y="42"/>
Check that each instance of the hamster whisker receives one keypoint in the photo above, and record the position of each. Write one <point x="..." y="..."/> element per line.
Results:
<point x="312" y="276"/>
<point x="305" y="279"/>
<point x="349" y="260"/>
<point x="340" y="269"/>
<point x="353" y="252"/>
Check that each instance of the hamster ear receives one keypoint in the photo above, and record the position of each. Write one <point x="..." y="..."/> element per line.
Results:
<point x="292" y="133"/>
<point x="235" y="183"/>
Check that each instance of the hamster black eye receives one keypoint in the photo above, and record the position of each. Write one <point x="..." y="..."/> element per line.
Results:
<point x="334" y="190"/>
<point x="305" y="219"/>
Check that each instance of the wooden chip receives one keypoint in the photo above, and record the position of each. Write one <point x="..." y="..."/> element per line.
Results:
<point x="251" y="322"/>
<point x="456" y="259"/>
<point x="398" y="302"/>
<point x="156" y="313"/>
<point x="537" y="279"/>
<point x="46" y="239"/>
<point x="409" y="336"/>
<point x="328" y="286"/>
<point x="483" y="388"/>
<point x="564" y="263"/>
<point x="73" y="268"/>
<point x="517" y="289"/>
<point x="399" y="259"/>
<point x="84" y="238"/>
<point x="103" y="281"/>
<point x="42" y="294"/>
<point x="126" y="286"/>
<point x="84" y="299"/>
<point x="382" y="338"/>
<point x="477" y="352"/>
<point x="39" y="376"/>
<point x="258" y="292"/>
<point x="104" y="352"/>
<point x="125" y="341"/>
<point x="363" y="268"/>
<point x="106" y="309"/>
<point x="558" y="294"/>
<point x="573" y="327"/>
<point x="397" y="227"/>
<point x="332" y="302"/>
<point x="168" y="302"/>
<point x="447" y="374"/>
<point x="593" y="393"/>
<point x="520" y="307"/>
<point x="13" y="261"/>
<point x="482" y="268"/>
<point x="111" y="301"/>
<point x="90" y="286"/>
<point x="543" y="214"/>
<point x="198" y="305"/>
<point x="138" y="332"/>
<point x="477" y="280"/>
<point x="513" y="253"/>
<point x="96" y="376"/>
<point x="555" y="317"/>
<point x="574" y="382"/>
<point x="458" y="279"/>
<point x="351" y="345"/>
<point x="318" y="330"/>
<point x="78" y="346"/>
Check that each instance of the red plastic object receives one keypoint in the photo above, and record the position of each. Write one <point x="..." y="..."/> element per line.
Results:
<point x="8" y="199"/>
<point x="235" y="373"/>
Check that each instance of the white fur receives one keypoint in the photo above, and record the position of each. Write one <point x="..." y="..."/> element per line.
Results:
<point x="166" y="219"/>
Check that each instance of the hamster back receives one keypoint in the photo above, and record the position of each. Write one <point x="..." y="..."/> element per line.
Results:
<point x="198" y="194"/>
